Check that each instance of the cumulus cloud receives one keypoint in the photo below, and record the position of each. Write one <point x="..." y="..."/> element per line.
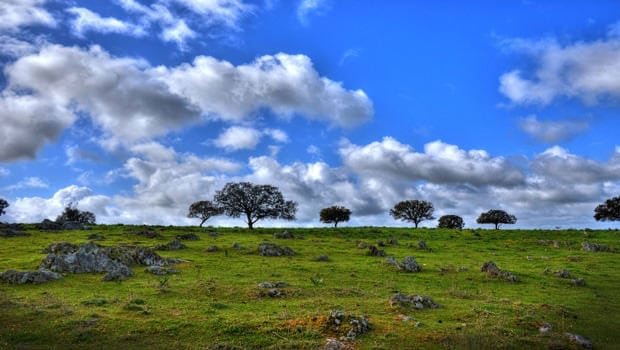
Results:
<point x="587" y="70"/>
<point x="239" y="137"/>
<point x="86" y="20"/>
<point x="287" y="84"/>
<point x="15" y="14"/>
<point x="29" y="182"/>
<point x="14" y="48"/>
<point x="552" y="131"/>
<point x="308" y="7"/>
<point x="35" y="209"/>
<point x="560" y="165"/>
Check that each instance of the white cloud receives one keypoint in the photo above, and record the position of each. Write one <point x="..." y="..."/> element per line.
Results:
<point x="237" y="138"/>
<point x="227" y="12"/>
<point x="14" y="48"/>
<point x="20" y="13"/>
<point x="4" y="172"/>
<point x="287" y="84"/>
<point x="589" y="71"/>
<point x="277" y="135"/>
<point x="85" y="20"/>
<point x="308" y="7"/>
<point x="552" y="131"/>
<point x="29" y="182"/>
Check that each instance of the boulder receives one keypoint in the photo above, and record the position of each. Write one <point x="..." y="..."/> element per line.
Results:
<point x="409" y="265"/>
<point x="236" y="246"/>
<point x="545" y="328"/>
<point x="374" y="251"/>
<point x="422" y="245"/>
<point x="350" y="326"/>
<point x="334" y="344"/>
<point x="283" y="235"/>
<point x="175" y="244"/>
<point x="578" y="282"/>
<point x="322" y="258"/>
<point x="563" y="273"/>
<point x="160" y="270"/>
<point x="390" y="260"/>
<point x="272" y="289"/>
<point x="595" y="247"/>
<point x="61" y="248"/>
<point x="12" y="230"/>
<point x="392" y="241"/>
<point x="271" y="249"/>
<point x="49" y="225"/>
<point x="33" y="277"/>
<point x="579" y="340"/>
<point x="492" y="270"/>
<point x="72" y="225"/>
<point x="418" y="302"/>
<point x="269" y="285"/>
<point x="188" y="237"/>
<point x="213" y="249"/>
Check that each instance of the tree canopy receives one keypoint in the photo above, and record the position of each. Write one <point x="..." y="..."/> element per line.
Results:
<point x="204" y="210"/>
<point x="451" y="222"/>
<point x="255" y="202"/>
<point x="496" y="217"/>
<point x="335" y="214"/>
<point x="74" y="214"/>
<point x="3" y="205"/>
<point x="414" y="211"/>
<point x="608" y="211"/>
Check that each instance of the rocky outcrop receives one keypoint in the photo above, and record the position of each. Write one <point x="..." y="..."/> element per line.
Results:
<point x="172" y="245"/>
<point x="12" y="230"/>
<point x="412" y="301"/>
<point x="33" y="277"/>
<point x="188" y="237"/>
<point x="272" y="249"/>
<point x="595" y="247"/>
<point x="350" y="326"/>
<point x="283" y="235"/>
<point x="493" y="271"/>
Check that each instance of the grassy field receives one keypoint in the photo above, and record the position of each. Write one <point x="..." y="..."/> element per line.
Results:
<point x="214" y="302"/>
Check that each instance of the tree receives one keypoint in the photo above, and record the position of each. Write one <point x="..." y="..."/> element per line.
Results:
<point x="255" y="202"/>
<point x="72" y="213"/>
<point x="335" y="214"/>
<point x="204" y="210"/>
<point x="451" y="222"/>
<point x="414" y="211"/>
<point x="608" y="211"/>
<point x="496" y="217"/>
<point x="3" y="205"/>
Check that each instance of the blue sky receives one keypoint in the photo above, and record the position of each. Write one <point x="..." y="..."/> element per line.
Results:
<point x="134" y="109"/>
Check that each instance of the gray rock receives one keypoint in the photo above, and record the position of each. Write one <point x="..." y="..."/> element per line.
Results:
<point x="175" y="244"/>
<point x="412" y="301"/>
<point x="374" y="251"/>
<point x="12" y="230"/>
<point x="72" y="225"/>
<point x="362" y="245"/>
<point x="579" y="340"/>
<point x="270" y="285"/>
<point x="350" y="326"/>
<point x="492" y="270"/>
<point x="563" y="273"/>
<point x="334" y="344"/>
<point x="188" y="237"/>
<point x="545" y="328"/>
<point x="33" y="277"/>
<point x="322" y="258"/>
<point x="283" y="235"/>
<point x="213" y="249"/>
<point x="119" y="272"/>
<point x="422" y="245"/>
<point x="271" y="249"/>
<point x="146" y="234"/>
<point x="578" y="282"/>
<point x="409" y="265"/>
<point x="595" y="247"/>
<point x="392" y="241"/>
<point x="95" y="237"/>
<point x="236" y="245"/>
<point x="160" y="270"/>
<point x="390" y="260"/>
<point x="48" y="225"/>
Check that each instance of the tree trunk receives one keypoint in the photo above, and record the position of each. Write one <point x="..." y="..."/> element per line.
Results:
<point x="497" y="226"/>
<point x="335" y="224"/>
<point x="416" y="224"/>
<point x="203" y="222"/>
<point x="249" y="221"/>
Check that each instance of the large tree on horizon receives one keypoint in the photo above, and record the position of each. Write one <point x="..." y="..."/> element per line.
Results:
<point x="204" y="210"/>
<point x="608" y="211"/>
<point x="414" y="211"/>
<point x="73" y="214"/>
<point x="3" y="205"/>
<point x="496" y="217"/>
<point x="335" y="214"/>
<point x="254" y="202"/>
<point x="451" y="222"/>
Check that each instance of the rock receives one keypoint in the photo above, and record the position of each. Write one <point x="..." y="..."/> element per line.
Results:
<point x="409" y="265"/>
<point x="213" y="249"/>
<point x="147" y="234"/>
<point x="349" y="325"/>
<point x="12" y="230"/>
<point x="545" y="328"/>
<point x="392" y="241"/>
<point x="175" y="244"/>
<point x="412" y="301"/>
<point x="49" y="225"/>
<point x="188" y="237"/>
<point x="269" y="285"/>
<point x="579" y="340"/>
<point x="95" y="237"/>
<point x="271" y="249"/>
<point x="322" y="258"/>
<point x="374" y="251"/>
<point x="160" y="270"/>
<point x="236" y="245"/>
<point x="283" y="235"/>
<point x="578" y="282"/>
<point x="33" y="277"/>
<point x="595" y="247"/>
<point x="492" y="270"/>
<point x="390" y="260"/>
<point x="381" y="244"/>
<point x="563" y="273"/>
<point x="422" y="245"/>
<point x="334" y="344"/>
<point x="362" y="245"/>
<point x="72" y="225"/>
<point x="213" y="234"/>
<point x="274" y="293"/>
<point x="89" y="258"/>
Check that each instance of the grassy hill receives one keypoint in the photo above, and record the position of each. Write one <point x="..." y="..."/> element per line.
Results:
<point x="214" y="302"/>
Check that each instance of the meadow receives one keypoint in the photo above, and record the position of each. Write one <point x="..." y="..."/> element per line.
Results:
<point x="214" y="301"/>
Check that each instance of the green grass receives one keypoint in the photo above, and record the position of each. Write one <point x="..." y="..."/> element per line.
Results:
<point x="214" y="301"/>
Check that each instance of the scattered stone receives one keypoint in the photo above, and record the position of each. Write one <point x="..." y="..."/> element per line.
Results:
<point x="213" y="234"/>
<point x="579" y="340"/>
<point x="147" y="234"/>
<point x="374" y="251"/>
<point x="33" y="277"/>
<point x="349" y="325"/>
<point x="362" y="245"/>
<point x="409" y="265"/>
<point x="160" y="270"/>
<point x="175" y="244"/>
<point x="492" y="270"/>
<point x="283" y="235"/>
<point x="579" y="282"/>
<point x="95" y="302"/>
<point x="422" y="245"/>
<point x="95" y="237"/>
<point x="269" y="285"/>
<point x="403" y="318"/>
<point x="412" y="301"/>
<point x="381" y="244"/>
<point x="545" y="328"/>
<point x="322" y="258"/>
<point x="271" y="249"/>
<point x="213" y="249"/>
<point x="334" y="344"/>
<point x="48" y="225"/>
<point x="392" y="241"/>
<point x="390" y="260"/>
<point x="272" y="289"/>
<point x="188" y="237"/>
<point x="595" y="247"/>
<point x="563" y="273"/>
<point x="236" y="245"/>
<point x="89" y="257"/>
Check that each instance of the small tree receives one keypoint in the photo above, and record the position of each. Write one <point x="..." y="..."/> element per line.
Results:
<point x="496" y="217"/>
<point x="608" y="211"/>
<point x="204" y="210"/>
<point x="255" y="202"/>
<point x="3" y="205"/>
<point x="335" y="214"/>
<point x="414" y="211"/>
<point x="72" y="213"/>
<point x="451" y="222"/>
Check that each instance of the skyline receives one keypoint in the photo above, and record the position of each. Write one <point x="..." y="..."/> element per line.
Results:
<point x="135" y="109"/>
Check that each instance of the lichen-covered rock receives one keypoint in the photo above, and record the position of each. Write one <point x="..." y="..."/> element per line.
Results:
<point x="61" y="248"/>
<point x="595" y="247"/>
<point x="579" y="340"/>
<point x="188" y="237"/>
<point x="12" y="230"/>
<point x="146" y="233"/>
<point x="390" y="260"/>
<point x="492" y="270"/>
<point x="422" y="245"/>
<point x="213" y="249"/>
<point x="412" y="301"/>
<point x="374" y="251"/>
<point x="271" y="249"/>
<point x="160" y="270"/>
<point x="409" y="265"/>
<point x="33" y="277"/>
<point x="334" y="344"/>
<point x="269" y="285"/>
<point x="283" y="235"/>
<point x="175" y="244"/>
<point x="350" y="326"/>
<point x="578" y="282"/>
<point x="563" y="273"/>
